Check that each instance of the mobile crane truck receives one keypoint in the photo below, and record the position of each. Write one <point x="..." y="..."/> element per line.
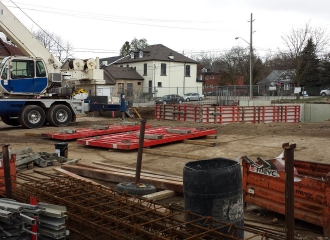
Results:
<point x="37" y="89"/>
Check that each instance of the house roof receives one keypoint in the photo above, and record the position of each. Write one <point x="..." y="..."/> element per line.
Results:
<point x="284" y="76"/>
<point x="125" y="73"/>
<point x="157" y="52"/>
<point x="9" y="50"/>
<point x="110" y="60"/>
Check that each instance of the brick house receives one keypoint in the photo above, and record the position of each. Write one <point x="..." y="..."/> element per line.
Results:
<point x="9" y="50"/>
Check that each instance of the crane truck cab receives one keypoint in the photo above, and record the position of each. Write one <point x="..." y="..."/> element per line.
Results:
<point x="23" y="75"/>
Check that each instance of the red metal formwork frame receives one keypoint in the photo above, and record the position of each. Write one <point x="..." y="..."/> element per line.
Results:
<point x="228" y="114"/>
<point x="266" y="188"/>
<point x="130" y="141"/>
<point x="12" y="163"/>
<point x="89" y="132"/>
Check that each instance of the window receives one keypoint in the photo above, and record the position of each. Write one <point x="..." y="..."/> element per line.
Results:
<point x="132" y="54"/>
<point x="139" y="83"/>
<point x="145" y="73"/>
<point x="127" y="65"/>
<point x="187" y="71"/>
<point x="163" y="69"/>
<point x="286" y="86"/>
<point x="159" y="84"/>
<point x="211" y="77"/>
<point x="140" y="54"/>
<point x="206" y="77"/>
<point x="41" y="71"/>
<point x="121" y="65"/>
<point x="22" y="69"/>
<point x="129" y="90"/>
<point x="120" y="87"/>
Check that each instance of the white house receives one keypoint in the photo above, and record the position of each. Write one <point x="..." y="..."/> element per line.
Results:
<point x="164" y="71"/>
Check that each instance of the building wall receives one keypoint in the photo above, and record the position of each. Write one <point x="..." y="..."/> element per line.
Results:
<point x="173" y="82"/>
<point x="129" y="93"/>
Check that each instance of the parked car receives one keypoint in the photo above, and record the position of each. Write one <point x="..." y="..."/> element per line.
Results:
<point x="211" y="94"/>
<point x="193" y="96"/>
<point x="325" y="92"/>
<point x="170" y="98"/>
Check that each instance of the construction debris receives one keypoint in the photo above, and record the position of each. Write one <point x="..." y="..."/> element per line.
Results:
<point x="26" y="159"/>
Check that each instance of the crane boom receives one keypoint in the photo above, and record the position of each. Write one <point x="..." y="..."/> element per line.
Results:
<point x="25" y="40"/>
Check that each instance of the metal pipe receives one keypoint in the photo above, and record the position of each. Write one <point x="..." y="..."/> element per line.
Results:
<point x="289" y="189"/>
<point x="6" y="167"/>
<point x="140" y="151"/>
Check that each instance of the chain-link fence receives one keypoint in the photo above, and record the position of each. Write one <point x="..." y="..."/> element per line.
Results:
<point x="223" y="95"/>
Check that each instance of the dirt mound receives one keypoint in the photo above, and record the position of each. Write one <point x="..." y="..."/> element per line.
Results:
<point x="147" y="113"/>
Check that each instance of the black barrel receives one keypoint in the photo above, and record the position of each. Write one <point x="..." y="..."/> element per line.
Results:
<point x="61" y="148"/>
<point x="213" y="188"/>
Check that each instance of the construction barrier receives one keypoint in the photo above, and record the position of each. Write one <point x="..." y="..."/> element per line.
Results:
<point x="265" y="187"/>
<point x="227" y="114"/>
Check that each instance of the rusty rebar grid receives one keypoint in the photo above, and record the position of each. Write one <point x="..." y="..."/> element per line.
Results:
<point x="97" y="212"/>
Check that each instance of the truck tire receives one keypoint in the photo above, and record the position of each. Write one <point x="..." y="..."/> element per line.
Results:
<point x="12" y="122"/>
<point x="32" y="116"/>
<point x="59" y="115"/>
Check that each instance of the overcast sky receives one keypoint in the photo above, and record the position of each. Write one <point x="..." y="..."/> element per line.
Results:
<point x="100" y="28"/>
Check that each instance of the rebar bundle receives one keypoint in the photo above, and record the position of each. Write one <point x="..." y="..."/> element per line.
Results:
<point x="98" y="212"/>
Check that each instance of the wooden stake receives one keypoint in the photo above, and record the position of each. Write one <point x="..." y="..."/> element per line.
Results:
<point x="203" y="143"/>
<point x="172" y="154"/>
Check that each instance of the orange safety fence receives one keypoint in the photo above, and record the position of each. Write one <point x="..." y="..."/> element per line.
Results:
<point x="228" y="114"/>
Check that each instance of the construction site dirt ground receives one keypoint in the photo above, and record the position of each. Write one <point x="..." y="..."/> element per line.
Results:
<point x="233" y="141"/>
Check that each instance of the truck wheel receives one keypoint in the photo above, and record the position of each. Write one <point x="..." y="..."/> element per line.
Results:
<point x="323" y="94"/>
<point x="59" y="115"/>
<point x="32" y="116"/>
<point x="12" y="122"/>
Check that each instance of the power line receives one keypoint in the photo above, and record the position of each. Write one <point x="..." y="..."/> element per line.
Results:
<point x="128" y="20"/>
<point x="118" y="17"/>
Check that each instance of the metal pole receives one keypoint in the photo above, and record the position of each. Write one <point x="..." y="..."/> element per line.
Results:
<point x="251" y="93"/>
<point x="289" y="189"/>
<point x="140" y="151"/>
<point x="6" y="168"/>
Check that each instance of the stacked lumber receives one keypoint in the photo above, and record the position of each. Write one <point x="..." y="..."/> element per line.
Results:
<point x="120" y="174"/>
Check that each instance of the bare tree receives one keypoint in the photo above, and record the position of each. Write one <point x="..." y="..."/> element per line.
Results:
<point x="296" y="41"/>
<point x="233" y="64"/>
<point x="54" y="44"/>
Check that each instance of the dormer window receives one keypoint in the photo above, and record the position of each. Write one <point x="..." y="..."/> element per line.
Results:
<point x="132" y="54"/>
<point x="140" y="54"/>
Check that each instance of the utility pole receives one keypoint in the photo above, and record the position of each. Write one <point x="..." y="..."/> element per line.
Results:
<point x="251" y="53"/>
